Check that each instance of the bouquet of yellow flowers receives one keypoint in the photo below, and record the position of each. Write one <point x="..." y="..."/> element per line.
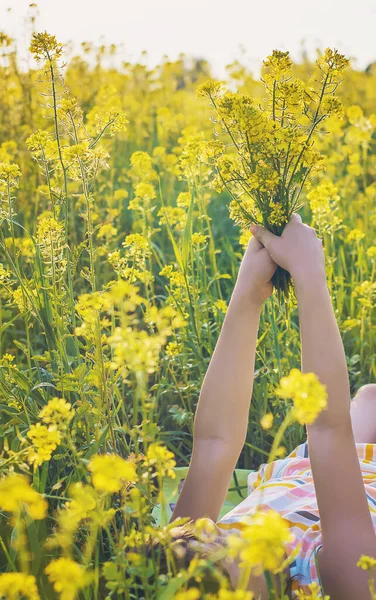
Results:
<point x="271" y="154"/>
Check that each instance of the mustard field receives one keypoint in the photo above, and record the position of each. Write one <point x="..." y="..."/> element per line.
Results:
<point x="123" y="223"/>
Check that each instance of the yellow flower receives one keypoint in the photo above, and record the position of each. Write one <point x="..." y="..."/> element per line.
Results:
<point x="67" y="577"/>
<point x="244" y="238"/>
<point x="355" y="235"/>
<point x="277" y="215"/>
<point x="108" y="231"/>
<point x="332" y="62"/>
<point x="349" y="324"/>
<point x="16" y="494"/>
<point x="45" y="440"/>
<point x="50" y="238"/>
<point x="57" y="412"/>
<point x="141" y="163"/>
<point x="136" y="241"/>
<point x="314" y="593"/>
<point x="37" y="142"/>
<point x="322" y="196"/>
<point x="173" y="349"/>
<point x="198" y="239"/>
<point x="266" y="421"/>
<point x="371" y="252"/>
<point x="365" y="293"/>
<point x="205" y="529"/>
<point x="161" y="459"/>
<point x="183" y="200"/>
<point x="110" y="472"/>
<point x="176" y="277"/>
<point x="4" y="274"/>
<point x="221" y="306"/>
<point x="81" y="506"/>
<point x="210" y="88"/>
<point x="44" y="45"/>
<point x="21" y="300"/>
<point x="308" y="394"/>
<point x="10" y="172"/>
<point x="14" y="586"/>
<point x="278" y="63"/>
<point x="354" y="114"/>
<point x="173" y="216"/>
<point x="144" y="193"/>
<point x="366" y="563"/>
<point x="261" y="543"/>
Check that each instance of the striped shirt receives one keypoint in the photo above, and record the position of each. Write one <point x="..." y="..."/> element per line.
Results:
<point x="286" y="486"/>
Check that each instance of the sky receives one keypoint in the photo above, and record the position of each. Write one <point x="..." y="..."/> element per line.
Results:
<point x="218" y="30"/>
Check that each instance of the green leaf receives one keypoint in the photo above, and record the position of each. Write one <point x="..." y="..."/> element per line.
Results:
<point x="93" y="448"/>
<point x="186" y="245"/>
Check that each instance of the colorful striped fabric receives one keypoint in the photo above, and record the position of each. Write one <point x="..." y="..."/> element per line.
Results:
<point x="286" y="486"/>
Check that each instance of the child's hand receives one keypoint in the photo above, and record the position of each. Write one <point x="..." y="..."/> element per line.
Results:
<point x="255" y="273"/>
<point x="298" y="250"/>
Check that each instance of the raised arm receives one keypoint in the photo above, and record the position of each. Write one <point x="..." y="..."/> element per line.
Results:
<point x="221" y="419"/>
<point x="346" y="523"/>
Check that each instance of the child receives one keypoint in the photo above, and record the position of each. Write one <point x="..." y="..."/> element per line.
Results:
<point x="329" y="499"/>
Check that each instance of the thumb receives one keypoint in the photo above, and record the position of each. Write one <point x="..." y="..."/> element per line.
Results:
<point x="267" y="238"/>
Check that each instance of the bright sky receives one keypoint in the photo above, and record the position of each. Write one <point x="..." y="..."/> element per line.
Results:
<point x="214" y="29"/>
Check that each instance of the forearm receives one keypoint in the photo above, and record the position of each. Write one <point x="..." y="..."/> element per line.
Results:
<point x="223" y="407"/>
<point x="322" y="347"/>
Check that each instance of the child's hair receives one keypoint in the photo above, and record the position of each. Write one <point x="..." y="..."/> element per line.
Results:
<point x="184" y="546"/>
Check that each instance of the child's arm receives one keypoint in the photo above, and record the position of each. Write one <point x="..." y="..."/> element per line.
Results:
<point x="221" y="418"/>
<point x="346" y="523"/>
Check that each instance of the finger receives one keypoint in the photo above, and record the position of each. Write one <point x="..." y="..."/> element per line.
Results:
<point x="255" y="243"/>
<point x="295" y="218"/>
<point x="264" y="236"/>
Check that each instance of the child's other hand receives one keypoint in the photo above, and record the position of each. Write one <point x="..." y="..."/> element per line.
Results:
<point x="298" y="250"/>
<point x="255" y="273"/>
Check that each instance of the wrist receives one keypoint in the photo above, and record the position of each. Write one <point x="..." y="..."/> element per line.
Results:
<point x="246" y="299"/>
<point x="309" y="278"/>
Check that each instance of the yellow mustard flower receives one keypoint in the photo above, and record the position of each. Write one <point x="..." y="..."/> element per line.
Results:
<point x="14" y="586"/>
<point x="44" y="45"/>
<point x="110" y="472"/>
<point x="161" y="459"/>
<point x="313" y="594"/>
<point x="266" y="421"/>
<point x="354" y="113"/>
<point x="277" y="214"/>
<point x="57" y="412"/>
<point x="308" y="394"/>
<point x="366" y="562"/>
<point x="261" y="543"/>
<point x="173" y="349"/>
<point x="355" y="235"/>
<point x="67" y="577"/>
<point x="244" y="237"/>
<point x="221" y="306"/>
<point x="278" y="64"/>
<point x="210" y="88"/>
<point x="16" y="494"/>
<point x="198" y="239"/>
<point x="45" y="440"/>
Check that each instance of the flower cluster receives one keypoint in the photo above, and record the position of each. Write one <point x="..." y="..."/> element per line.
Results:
<point x="273" y="154"/>
<point x="16" y="495"/>
<point x="308" y="394"/>
<point x="261" y="544"/>
<point x="110" y="472"/>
